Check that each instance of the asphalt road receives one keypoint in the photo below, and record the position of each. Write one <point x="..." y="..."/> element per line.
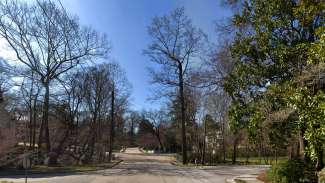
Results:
<point x="143" y="168"/>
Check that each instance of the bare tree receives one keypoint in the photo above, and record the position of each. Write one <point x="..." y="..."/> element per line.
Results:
<point x="119" y="94"/>
<point x="30" y="90"/>
<point x="133" y="121"/>
<point x="106" y="95"/>
<point x="4" y="78"/>
<point x="217" y="105"/>
<point x="97" y="95"/>
<point x="72" y="97"/>
<point x="48" y="41"/>
<point x="154" y="121"/>
<point x="176" y="43"/>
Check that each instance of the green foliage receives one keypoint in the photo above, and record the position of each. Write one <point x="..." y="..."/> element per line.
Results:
<point x="279" y="53"/>
<point x="311" y="110"/>
<point x="238" y="114"/>
<point x="291" y="171"/>
<point x="255" y="128"/>
<point x="316" y="52"/>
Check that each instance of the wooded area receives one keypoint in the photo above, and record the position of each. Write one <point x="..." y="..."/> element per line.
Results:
<point x="257" y="96"/>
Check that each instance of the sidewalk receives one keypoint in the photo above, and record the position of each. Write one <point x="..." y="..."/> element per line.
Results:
<point x="244" y="178"/>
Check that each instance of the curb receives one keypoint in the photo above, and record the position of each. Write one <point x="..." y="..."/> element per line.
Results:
<point x="249" y="178"/>
<point x="229" y="180"/>
<point x="115" y="164"/>
<point x="173" y="163"/>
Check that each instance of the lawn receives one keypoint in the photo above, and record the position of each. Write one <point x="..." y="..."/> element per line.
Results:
<point x="257" y="160"/>
<point x="41" y="169"/>
<point x="240" y="161"/>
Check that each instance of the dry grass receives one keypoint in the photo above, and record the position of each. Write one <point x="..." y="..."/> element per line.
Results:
<point x="263" y="177"/>
<point x="40" y="169"/>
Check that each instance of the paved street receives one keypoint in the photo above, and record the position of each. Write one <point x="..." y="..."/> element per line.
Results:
<point x="142" y="168"/>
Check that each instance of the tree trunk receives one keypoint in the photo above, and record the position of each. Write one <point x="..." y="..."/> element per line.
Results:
<point x="223" y="141"/>
<point x="40" y="139"/>
<point x="59" y="148"/>
<point x="31" y="113"/>
<point x="181" y="93"/>
<point x="298" y="149"/>
<point x="30" y="124"/>
<point x="45" y="118"/>
<point x="265" y="155"/>
<point x="301" y="146"/>
<point x="247" y="153"/>
<point x="303" y="143"/>
<point x="92" y="137"/>
<point x="234" y="153"/>
<point x="34" y="122"/>
<point x="320" y="161"/>
<point x="111" y="139"/>
<point x="204" y="143"/>
<point x="92" y="147"/>
<point x="276" y="155"/>
<point x="159" y="140"/>
<point x="260" y="152"/>
<point x="131" y="141"/>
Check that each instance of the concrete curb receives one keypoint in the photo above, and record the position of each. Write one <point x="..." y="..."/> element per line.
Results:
<point x="173" y="163"/>
<point x="227" y="180"/>
<point x="249" y="178"/>
<point x="115" y="164"/>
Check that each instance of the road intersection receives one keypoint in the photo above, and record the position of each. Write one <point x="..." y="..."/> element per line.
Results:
<point x="138" y="167"/>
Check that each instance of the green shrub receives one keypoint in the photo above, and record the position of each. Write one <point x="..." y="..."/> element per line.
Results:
<point x="291" y="171"/>
<point x="310" y="174"/>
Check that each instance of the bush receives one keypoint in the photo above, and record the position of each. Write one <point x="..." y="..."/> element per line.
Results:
<point x="291" y="171"/>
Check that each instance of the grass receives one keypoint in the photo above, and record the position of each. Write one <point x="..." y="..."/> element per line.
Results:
<point x="180" y="164"/>
<point x="239" y="161"/>
<point x="258" y="161"/>
<point x="41" y="169"/>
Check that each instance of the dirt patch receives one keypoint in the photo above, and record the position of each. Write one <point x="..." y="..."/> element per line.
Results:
<point x="263" y="177"/>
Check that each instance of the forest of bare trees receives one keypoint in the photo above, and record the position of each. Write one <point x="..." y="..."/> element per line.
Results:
<point x="62" y="105"/>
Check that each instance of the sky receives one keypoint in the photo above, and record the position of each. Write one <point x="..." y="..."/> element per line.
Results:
<point x="125" y="22"/>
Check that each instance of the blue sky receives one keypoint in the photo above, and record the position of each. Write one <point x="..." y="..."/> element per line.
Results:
<point x="125" y="22"/>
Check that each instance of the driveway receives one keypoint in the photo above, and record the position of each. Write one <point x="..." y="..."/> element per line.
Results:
<point x="143" y="168"/>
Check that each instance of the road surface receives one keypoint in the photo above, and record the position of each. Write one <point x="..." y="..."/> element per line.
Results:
<point x="143" y="168"/>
